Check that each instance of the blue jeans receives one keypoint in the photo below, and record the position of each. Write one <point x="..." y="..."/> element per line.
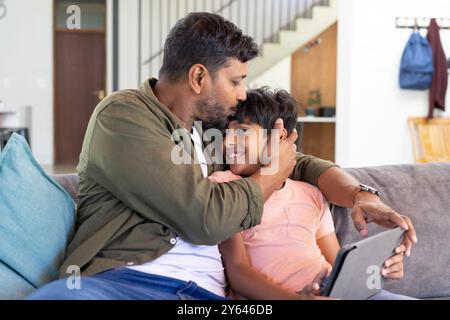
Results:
<point x="124" y="284"/>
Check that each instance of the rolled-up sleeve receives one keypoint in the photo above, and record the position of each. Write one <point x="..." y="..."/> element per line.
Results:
<point x="309" y="168"/>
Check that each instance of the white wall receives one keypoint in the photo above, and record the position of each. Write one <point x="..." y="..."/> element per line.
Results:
<point x="372" y="111"/>
<point x="279" y="76"/>
<point x="26" y="67"/>
<point x="128" y="44"/>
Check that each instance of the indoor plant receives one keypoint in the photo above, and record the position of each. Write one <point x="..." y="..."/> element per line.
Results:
<point x="314" y="102"/>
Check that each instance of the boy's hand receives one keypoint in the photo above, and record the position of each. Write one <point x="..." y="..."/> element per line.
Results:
<point x="393" y="267"/>
<point x="312" y="290"/>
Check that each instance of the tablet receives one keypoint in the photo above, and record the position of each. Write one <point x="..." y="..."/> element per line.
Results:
<point x="356" y="272"/>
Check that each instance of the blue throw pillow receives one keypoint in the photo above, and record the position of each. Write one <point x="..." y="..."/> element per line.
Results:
<point x="15" y="286"/>
<point x="37" y="217"/>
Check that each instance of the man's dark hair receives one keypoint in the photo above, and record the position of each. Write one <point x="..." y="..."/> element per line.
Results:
<point x="264" y="107"/>
<point x="207" y="39"/>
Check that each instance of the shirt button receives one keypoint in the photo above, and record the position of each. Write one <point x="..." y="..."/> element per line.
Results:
<point x="130" y="263"/>
<point x="173" y="241"/>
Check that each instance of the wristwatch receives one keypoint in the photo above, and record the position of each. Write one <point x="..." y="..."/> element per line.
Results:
<point x="365" y="188"/>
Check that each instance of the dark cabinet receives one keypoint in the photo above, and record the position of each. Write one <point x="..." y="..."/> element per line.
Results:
<point x="6" y="133"/>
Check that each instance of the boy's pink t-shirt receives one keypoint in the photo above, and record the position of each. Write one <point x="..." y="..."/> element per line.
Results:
<point x="284" y="246"/>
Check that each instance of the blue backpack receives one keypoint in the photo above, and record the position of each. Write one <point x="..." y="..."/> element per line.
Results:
<point x="416" y="70"/>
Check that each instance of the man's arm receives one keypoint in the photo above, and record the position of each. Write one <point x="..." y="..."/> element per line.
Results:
<point x="129" y="153"/>
<point x="338" y="187"/>
<point x="309" y="168"/>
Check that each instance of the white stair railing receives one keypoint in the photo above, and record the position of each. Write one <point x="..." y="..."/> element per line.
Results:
<point x="261" y="19"/>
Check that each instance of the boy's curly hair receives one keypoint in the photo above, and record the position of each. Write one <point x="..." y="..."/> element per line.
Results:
<point x="264" y="107"/>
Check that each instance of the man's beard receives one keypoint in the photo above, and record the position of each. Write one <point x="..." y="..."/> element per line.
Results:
<point x="212" y="114"/>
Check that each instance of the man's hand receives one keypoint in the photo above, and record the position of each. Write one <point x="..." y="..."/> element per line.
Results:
<point x="283" y="160"/>
<point x="370" y="208"/>
<point x="338" y="186"/>
<point x="285" y="157"/>
<point x="393" y="267"/>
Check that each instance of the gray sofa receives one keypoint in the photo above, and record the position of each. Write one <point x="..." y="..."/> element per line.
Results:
<point x="420" y="191"/>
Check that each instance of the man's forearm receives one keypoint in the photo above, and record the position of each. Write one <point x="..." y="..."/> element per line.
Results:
<point x="338" y="187"/>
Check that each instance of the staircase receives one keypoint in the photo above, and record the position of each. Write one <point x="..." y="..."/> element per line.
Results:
<point x="279" y="27"/>
<point x="290" y="40"/>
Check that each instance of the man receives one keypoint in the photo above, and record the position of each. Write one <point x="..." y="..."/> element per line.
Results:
<point x="149" y="228"/>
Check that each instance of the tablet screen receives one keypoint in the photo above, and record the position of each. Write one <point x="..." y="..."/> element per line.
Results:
<point x="356" y="273"/>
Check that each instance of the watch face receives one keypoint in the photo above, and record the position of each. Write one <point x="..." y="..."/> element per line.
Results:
<point x="369" y="189"/>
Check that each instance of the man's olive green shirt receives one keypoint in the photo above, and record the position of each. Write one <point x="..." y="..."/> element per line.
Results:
<point x="133" y="201"/>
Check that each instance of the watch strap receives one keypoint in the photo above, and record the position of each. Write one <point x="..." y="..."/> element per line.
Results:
<point x="365" y="188"/>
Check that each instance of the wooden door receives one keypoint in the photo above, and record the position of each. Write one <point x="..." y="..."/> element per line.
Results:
<point x="79" y="80"/>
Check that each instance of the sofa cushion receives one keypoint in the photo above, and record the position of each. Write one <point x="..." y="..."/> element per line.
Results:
<point x="36" y="216"/>
<point x="421" y="192"/>
<point x="69" y="181"/>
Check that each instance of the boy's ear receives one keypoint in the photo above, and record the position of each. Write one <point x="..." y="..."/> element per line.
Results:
<point x="284" y="134"/>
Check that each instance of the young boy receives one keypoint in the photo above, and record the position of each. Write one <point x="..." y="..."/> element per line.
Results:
<point x="295" y="245"/>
